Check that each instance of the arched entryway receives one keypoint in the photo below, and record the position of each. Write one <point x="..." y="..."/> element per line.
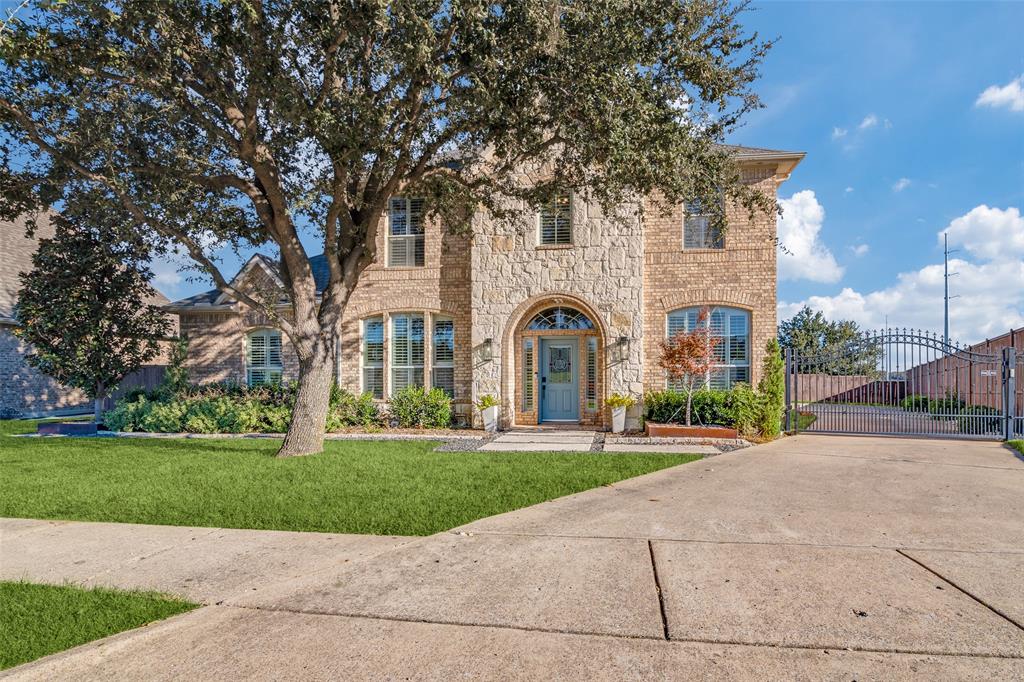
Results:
<point x="558" y="367"/>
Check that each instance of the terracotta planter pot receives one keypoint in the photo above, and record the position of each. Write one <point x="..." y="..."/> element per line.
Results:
<point x="678" y="431"/>
<point x="67" y="429"/>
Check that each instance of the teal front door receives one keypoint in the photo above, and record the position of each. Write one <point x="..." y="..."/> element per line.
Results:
<point x="559" y="379"/>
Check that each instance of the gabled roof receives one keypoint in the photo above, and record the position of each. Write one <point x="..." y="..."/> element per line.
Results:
<point x="214" y="297"/>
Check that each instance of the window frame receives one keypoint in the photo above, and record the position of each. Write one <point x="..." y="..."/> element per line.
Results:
<point x="365" y="364"/>
<point x="273" y="373"/>
<point x="688" y="214"/>
<point x="446" y="364"/>
<point x="727" y="367"/>
<point x="411" y="367"/>
<point x="552" y="205"/>
<point x="410" y="238"/>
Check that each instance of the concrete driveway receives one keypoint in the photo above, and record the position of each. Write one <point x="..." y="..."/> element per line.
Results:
<point x="813" y="557"/>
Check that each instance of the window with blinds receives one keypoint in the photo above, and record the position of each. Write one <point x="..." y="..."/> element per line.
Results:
<point x="732" y="354"/>
<point x="373" y="356"/>
<point x="263" y="357"/>
<point x="406" y="351"/>
<point x="698" y="230"/>
<point x="405" y="232"/>
<point x="443" y="361"/>
<point x="556" y="221"/>
<point x="591" y="385"/>
<point x="527" y="375"/>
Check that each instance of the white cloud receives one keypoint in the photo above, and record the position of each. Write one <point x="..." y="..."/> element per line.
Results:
<point x="1010" y="95"/>
<point x="848" y="190"/>
<point x="990" y="287"/>
<point x="870" y="121"/>
<point x="838" y="132"/>
<point x="989" y="233"/>
<point x="901" y="184"/>
<point x="860" y="250"/>
<point x="799" y="230"/>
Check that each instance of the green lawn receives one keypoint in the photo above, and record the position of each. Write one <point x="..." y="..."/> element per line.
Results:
<point x="1018" y="445"/>
<point x="389" y="488"/>
<point x="37" y="620"/>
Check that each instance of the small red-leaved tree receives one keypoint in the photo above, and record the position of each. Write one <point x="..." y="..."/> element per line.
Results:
<point x="689" y="357"/>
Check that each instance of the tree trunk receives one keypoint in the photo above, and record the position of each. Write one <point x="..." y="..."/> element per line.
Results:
<point x="97" y="405"/>
<point x="689" y="402"/>
<point x="309" y="417"/>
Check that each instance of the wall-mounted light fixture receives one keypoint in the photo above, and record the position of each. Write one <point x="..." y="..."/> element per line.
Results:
<point x="487" y="350"/>
<point x="621" y="349"/>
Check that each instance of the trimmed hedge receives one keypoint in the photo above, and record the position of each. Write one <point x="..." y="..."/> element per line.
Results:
<point x="415" y="407"/>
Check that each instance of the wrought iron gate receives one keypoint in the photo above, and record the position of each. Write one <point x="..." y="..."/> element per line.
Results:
<point x="905" y="382"/>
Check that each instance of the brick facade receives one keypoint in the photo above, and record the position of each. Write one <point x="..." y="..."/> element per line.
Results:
<point x="626" y="272"/>
<point x="24" y="391"/>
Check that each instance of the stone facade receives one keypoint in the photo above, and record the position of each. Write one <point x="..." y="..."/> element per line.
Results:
<point x="626" y="272"/>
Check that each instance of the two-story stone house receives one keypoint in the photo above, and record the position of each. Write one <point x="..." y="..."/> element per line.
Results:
<point x="550" y="313"/>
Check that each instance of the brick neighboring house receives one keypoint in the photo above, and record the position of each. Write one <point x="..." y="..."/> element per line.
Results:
<point x="551" y="313"/>
<point x="24" y="391"/>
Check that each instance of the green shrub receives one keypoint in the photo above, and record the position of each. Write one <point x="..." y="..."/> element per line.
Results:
<point x="979" y="420"/>
<point x="619" y="400"/>
<point x="916" y="403"/>
<point x="743" y="407"/>
<point x="415" y="407"/>
<point x="709" y="407"/>
<point x="348" y="409"/>
<point x="771" y="392"/>
<point x="163" y="417"/>
<point x="213" y="415"/>
<point x="485" y="401"/>
<point x="946" y="408"/>
<point x="126" y="414"/>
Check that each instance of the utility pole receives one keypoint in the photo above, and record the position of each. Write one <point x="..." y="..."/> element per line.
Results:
<point x="945" y="279"/>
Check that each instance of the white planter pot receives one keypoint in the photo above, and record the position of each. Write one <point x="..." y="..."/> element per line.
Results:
<point x="618" y="419"/>
<point x="490" y="415"/>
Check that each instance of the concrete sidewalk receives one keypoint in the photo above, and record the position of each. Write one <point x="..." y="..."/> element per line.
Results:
<point x="809" y="558"/>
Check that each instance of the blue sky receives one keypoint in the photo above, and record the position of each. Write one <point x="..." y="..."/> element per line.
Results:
<point x="884" y="98"/>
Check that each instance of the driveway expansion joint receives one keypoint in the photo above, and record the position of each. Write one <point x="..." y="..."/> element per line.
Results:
<point x="966" y="592"/>
<point x="657" y="587"/>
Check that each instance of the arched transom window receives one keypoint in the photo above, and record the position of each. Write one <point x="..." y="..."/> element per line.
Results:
<point x="560" y="318"/>
<point x="732" y="325"/>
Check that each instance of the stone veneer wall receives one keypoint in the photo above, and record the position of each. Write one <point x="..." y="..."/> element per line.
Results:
<point x="511" y="274"/>
<point x="742" y="275"/>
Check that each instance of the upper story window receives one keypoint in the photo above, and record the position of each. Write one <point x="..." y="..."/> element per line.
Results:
<point x="732" y="325"/>
<point x="372" y="356"/>
<point x="263" y="357"/>
<point x="556" y="221"/>
<point x="405" y="232"/>
<point x="406" y="351"/>
<point x="699" y="231"/>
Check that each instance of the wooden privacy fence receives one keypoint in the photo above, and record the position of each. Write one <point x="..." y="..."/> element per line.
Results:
<point x="148" y="377"/>
<point x="847" y="388"/>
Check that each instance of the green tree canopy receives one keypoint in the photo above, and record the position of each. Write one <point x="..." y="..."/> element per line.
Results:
<point x="829" y="346"/>
<point x="259" y="123"/>
<point x="83" y="307"/>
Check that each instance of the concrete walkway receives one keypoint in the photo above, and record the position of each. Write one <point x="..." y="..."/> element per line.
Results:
<point x="812" y="557"/>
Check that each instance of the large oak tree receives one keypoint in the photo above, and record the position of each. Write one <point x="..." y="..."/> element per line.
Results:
<point x="260" y="123"/>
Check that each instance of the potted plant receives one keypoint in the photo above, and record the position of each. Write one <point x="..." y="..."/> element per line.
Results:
<point x="488" y="406"/>
<point x="619" y="404"/>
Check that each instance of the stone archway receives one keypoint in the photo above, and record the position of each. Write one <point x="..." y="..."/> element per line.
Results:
<point x="534" y="326"/>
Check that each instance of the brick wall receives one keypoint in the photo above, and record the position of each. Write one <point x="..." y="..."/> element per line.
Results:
<point x="25" y="392"/>
<point x="742" y="275"/>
